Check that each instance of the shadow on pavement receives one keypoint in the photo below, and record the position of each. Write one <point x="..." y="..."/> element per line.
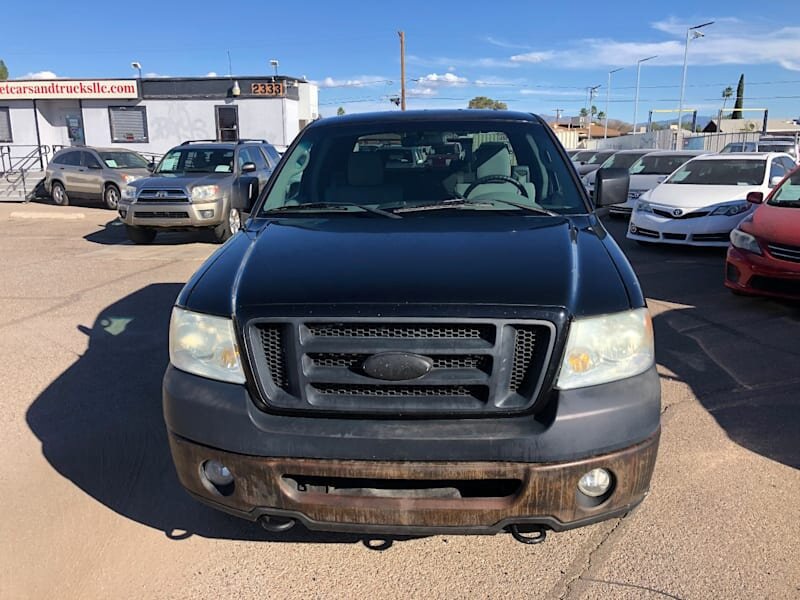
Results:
<point x="100" y="426"/>
<point x="740" y="355"/>
<point x="113" y="233"/>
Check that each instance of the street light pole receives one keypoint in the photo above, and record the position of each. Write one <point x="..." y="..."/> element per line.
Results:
<point x="608" y="96"/>
<point x="636" y="102"/>
<point x="691" y="33"/>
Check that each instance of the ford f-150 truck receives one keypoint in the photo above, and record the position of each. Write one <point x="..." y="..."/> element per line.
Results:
<point x="460" y="348"/>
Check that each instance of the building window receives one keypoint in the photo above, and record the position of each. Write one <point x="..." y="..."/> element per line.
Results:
<point x="128" y="124"/>
<point x="5" y="125"/>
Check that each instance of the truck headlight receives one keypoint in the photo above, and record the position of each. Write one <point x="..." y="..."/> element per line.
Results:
<point x="730" y="210"/>
<point x="745" y="241"/>
<point x="204" y="345"/>
<point x="128" y="193"/>
<point x="204" y="192"/>
<point x="607" y="348"/>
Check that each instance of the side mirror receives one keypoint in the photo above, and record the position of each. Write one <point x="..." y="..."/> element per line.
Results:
<point x="248" y="167"/>
<point x="774" y="181"/>
<point x="755" y="197"/>
<point x="611" y="187"/>
<point x="151" y="166"/>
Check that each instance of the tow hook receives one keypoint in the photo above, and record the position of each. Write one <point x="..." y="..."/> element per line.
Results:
<point x="539" y="534"/>
<point x="276" y="524"/>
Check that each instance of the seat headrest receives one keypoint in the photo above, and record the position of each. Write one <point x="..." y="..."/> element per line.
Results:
<point x="364" y="168"/>
<point x="492" y="158"/>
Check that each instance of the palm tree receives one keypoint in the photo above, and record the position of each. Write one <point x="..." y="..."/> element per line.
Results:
<point x="726" y="93"/>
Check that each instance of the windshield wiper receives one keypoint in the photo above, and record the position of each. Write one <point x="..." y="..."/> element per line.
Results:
<point x="456" y="202"/>
<point x="331" y="205"/>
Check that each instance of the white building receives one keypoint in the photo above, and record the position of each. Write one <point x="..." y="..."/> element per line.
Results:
<point x="153" y="115"/>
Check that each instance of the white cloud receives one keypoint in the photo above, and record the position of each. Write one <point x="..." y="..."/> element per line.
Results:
<point x="153" y="75"/>
<point x="40" y="75"/>
<point x="422" y="92"/>
<point x="505" y="44"/>
<point x="212" y="74"/>
<point x="532" y="57"/>
<point x="445" y="79"/>
<point x="362" y="81"/>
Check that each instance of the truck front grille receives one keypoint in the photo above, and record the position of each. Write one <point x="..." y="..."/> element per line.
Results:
<point x="159" y="195"/>
<point x="476" y="367"/>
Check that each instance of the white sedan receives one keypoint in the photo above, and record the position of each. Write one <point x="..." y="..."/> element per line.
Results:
<point x="701" y="202"/>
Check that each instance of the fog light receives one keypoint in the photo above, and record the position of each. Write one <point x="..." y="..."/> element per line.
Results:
<point x="217" y="473"/>
<point x="595" y="483"/>
<point x="633" y="228"/>
<point x="206" y="214"/>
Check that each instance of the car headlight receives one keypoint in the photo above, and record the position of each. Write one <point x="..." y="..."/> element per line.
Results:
<point x="745" y="241"/>
<point x="644" y="207"/>
<point x="607" y="348"/>
<point x="205" y="192"/>
<point x="730" y="210"/>
<point x="128" y="193"/>
<point x="204" y="345"/>
<point x="130" y="178"/>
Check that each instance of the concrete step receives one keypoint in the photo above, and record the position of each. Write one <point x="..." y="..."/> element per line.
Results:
<point x="13" y="190"/>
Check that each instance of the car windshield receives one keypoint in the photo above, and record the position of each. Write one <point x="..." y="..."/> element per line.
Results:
<point x="773" y="147"/>
<point x="123" y="160"/>
<point x="788" y="193"/>
<point x="584" y="155"/>
<point x="621" y="160"/>
<point x="659" y="164"/>
<point x="600" y="158"/>
<point x="720" y="172"/>
<point x="197" y="160"/>
<point x="511" y="167"/>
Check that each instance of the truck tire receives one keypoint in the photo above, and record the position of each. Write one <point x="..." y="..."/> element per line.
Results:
<point x="59" y="194"/>
<point x="140" y="235"/>
<point x="229" y="226"/>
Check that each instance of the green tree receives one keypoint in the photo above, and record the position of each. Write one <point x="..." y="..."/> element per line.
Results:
<point x="737" y="114"/>
<point x="583" y="113"/>
<point x="726" y="94"/>
<point x="3" y="71"/>
<point x="340" y="111"/>
<point x="484" y="102"/>
<point x="601" y="116"/>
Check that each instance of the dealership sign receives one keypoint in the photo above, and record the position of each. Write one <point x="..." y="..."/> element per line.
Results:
<point x="64" y="89"/>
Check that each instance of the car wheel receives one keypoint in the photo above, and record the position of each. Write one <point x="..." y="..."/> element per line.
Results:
<point x="59" y="194"/>
<point x="229" y="227"/>
<point x="111" y="196"/>
<point x="140" y="235"/>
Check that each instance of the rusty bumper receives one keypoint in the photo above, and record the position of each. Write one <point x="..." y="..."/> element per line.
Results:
<point x="417" y="497"/>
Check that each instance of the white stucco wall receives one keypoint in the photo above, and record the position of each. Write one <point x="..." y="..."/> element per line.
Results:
<point x="23" y="125"/>
<point x="309" y="101"/>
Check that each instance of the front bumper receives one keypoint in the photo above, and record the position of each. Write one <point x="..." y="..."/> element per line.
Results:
<point x="761" y="275"/>
<point x="547" y="452"/>
<point x="172" y="214"/>
<point x="702" y="231"/>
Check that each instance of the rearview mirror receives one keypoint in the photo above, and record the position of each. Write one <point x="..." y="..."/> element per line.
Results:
<point x="151" y="166"/>
<point x="611" y="187"/>
<point x="248" y="167"/>
<point x="755" y="197"/>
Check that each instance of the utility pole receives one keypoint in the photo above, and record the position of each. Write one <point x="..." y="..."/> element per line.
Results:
<point x="591" y="93"/>
<point x="636" y="101"/>
<point x="558" y="114"/>
<point x="608" y="96"/>
<point x="402" y="35"/>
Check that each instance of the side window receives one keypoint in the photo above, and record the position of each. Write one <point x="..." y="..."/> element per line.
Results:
<point x="89" y="160"/>
<point x="777" y="169"/>
<point x="788" y="163"/>
<point x="244" y="157"/>
<point x="5" y="125"/>
<point x="258" y="158"/>
<point x="72" y="159"/>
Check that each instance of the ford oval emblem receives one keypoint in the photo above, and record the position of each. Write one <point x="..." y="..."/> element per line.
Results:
<point x="397" y="366"/>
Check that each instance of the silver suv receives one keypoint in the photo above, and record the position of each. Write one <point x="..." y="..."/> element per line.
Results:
<point x="199" y="184"/>
<point x="93" y="174"/>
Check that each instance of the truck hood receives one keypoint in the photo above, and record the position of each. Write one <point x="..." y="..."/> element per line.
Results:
<point x="482" y="260"/>
<point x="179" y="180"/>
<point x="698" y="196"/>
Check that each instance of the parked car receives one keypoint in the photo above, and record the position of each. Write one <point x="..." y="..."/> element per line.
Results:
<point x="582" y="156"/>
<point x="572" y="153"/>
<point x="764" y="253"/>
<point x="92" y="174"/>
<point x="594" y="163"/>
<point x="622" y="159"/>
<point x="407" y="353"/>
<point x="766" y="144"/>
<point x="650" y="170"/>
<point x="701" y="202"/>
<point x="198" y="185"/>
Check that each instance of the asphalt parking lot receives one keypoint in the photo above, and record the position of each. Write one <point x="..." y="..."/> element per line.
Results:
<point x="92" y="508"/>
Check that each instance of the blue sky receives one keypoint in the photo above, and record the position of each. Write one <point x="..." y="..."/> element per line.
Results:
<point x="534" y="56"/>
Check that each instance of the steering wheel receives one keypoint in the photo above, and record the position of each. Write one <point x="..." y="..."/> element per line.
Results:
<point x="495" y="179"/>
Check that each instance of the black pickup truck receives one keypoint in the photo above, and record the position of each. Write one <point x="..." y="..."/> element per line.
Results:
<point x="449" y="348"/>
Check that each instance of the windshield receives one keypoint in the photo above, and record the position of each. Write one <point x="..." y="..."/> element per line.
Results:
<point x="660" y="164"/>
<point x="197" y="160"/>
<point x="772" y="147"/>
<point x="584" y="155"/>
<point x="789" y="192"/>
<point x="123" y="160"/>
<point x="720" y="172"/>
<point x="621" y="160"/>
<point x="504" y="166"/>
<point x="599" y="158"/>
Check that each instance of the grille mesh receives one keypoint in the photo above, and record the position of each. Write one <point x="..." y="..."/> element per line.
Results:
<point x="790" y="253"/>
<point x="466" y="361"/>
<point x="411" y="391"/>
<point x="402" y="331"/>
<point x="272" y="342"/>
<point x="524" y="349"/>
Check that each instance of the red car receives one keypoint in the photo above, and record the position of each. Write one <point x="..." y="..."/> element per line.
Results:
<point x="764" y="254"/>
